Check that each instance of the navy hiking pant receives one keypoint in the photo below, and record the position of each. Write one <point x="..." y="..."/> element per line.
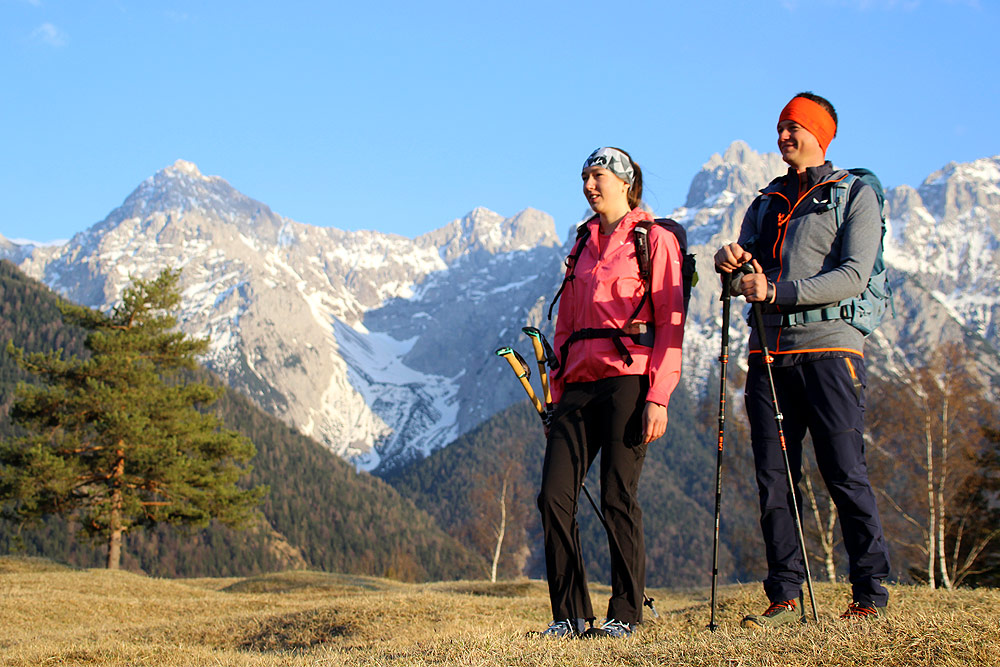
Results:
<point x="827" y="398"/>
<point x="601" y="416"/>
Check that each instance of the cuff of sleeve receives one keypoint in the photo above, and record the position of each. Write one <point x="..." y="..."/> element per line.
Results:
<point x="785" y="294"/>
<point x="657" y="397"/>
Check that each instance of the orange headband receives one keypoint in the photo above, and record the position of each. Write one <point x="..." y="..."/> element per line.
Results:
<point x="813" y="117"/>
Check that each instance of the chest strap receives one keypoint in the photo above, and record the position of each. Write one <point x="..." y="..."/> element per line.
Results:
<point x="783" y="320"/>
<point x="640" y="333"/>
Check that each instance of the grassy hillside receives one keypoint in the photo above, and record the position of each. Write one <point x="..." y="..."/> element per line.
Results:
<point x="53" y="615"/>
<point x="320" y="513"/>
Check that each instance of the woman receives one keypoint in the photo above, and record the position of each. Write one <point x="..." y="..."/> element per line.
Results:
<point x="620" y="358"/>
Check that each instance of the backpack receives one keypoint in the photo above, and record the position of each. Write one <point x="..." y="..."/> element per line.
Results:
<point x="865" y="311"/>
<point x="689" y="271"/>
<point x="689" y="278"/>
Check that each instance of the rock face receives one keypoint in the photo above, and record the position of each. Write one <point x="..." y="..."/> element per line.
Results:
<point x="381" y="347"/>
<point x="285" y="305"/>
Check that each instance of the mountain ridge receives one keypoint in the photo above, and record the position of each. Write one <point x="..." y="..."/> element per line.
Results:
<point x="381" y="346"/>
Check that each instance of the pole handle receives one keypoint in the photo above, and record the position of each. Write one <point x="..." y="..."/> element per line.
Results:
<point x="537" y="343"/>
<point x="523" y="374"/>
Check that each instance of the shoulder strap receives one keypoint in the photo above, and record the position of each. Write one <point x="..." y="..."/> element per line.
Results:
<point x="640" y="236"/>
<point x="864" y="311"/>
<point x="840" y="194"/>
<point x="689" y="271"/>
<point x="582" y="234"/>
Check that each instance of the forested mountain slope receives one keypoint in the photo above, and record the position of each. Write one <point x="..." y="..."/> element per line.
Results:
<point x="320" y="513"/>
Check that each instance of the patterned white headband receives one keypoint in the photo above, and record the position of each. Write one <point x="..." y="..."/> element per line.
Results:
<point x="614" y="161"/>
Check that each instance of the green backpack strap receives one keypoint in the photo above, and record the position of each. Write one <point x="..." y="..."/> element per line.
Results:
<point x="865" y="311"/>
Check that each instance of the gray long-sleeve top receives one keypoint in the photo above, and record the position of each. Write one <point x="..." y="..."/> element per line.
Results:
<point x="811" y="262"/>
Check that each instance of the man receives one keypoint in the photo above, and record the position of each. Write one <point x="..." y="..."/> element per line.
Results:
<point x="803" y="262"/>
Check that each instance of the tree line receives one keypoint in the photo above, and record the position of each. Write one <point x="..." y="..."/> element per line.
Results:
<point x="933" y="438"/>
<point x="318" y="511"/>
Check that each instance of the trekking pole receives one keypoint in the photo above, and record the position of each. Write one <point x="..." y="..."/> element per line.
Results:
<point x="544" y="355"/>
<point x="646" y="600"/>
<point x="727" y="281"/>
<point x="778" y="418"/>
<point x="523" y="374"/>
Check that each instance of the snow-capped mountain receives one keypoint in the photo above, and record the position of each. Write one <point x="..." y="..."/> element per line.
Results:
<point x="381" y="347"/>
<point x="14" y="251"/>
<point x="941" y="248"/>
<point x="285" y="305"/>
<point x="946" y="234"/>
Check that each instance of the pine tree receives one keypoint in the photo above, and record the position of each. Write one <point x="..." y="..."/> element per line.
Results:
<point x="116" y="440"/>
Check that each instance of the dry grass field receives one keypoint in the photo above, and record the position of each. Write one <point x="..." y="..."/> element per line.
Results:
<point x="51" y="615"/>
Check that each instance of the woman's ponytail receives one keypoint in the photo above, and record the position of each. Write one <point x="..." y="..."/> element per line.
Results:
<point x="635" y="190"/>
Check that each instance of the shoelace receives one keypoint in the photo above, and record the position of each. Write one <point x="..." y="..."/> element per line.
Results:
<point x="559" y="628"/>
<point x="858" y="609"/>
<point x="780" y="606"/>
<point x="616" y="627"/>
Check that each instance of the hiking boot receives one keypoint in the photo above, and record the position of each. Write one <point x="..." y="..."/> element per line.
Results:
<point x="611" y="628"/>
<point x="779" y="613"/>
<point x="564" y="629"/>
<point x="863" y="610"/>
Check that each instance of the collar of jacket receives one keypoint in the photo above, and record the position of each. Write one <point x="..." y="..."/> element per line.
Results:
<point x="619" y="237"/>
<point x="624" y="226"/>
<point x="814" y="175"/>
<point x="790" y="180"/>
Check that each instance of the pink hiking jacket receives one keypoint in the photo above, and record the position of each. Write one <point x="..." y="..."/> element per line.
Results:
<point x="605" y="292"/>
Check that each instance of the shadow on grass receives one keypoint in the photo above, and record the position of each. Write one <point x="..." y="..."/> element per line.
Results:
<point x="295" y="632"/>
<point x="500" y="589"/>
<point x="303" y="581"/>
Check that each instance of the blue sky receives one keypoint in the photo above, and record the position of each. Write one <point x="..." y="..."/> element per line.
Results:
<point x="402" y="116"/>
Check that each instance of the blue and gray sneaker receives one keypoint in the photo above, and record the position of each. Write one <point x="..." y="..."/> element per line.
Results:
<point x="564" y="629"/>
<point x="611" y="628"/>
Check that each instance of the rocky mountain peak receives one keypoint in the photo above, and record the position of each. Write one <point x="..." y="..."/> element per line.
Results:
<point x="184" y="168"/>
<point x="739" y="169"/>
<point x="482" y="229"/>
<point x="181" y="190"/>
<point x="380" y="346"/>
<point x="958" y="187"/>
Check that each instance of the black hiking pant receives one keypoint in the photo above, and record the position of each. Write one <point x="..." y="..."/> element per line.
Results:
<point x="827" y="398"/>
<point x="601" y="416"/>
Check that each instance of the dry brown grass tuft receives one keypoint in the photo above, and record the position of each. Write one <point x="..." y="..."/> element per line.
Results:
<point x="51" y="615"/>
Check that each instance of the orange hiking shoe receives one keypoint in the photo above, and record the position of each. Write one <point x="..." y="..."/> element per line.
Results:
<point x="863" y="610"/>
<point x="779" y="613"/>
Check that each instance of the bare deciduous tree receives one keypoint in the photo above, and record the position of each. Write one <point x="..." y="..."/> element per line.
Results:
<point x="928" y="433"/>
